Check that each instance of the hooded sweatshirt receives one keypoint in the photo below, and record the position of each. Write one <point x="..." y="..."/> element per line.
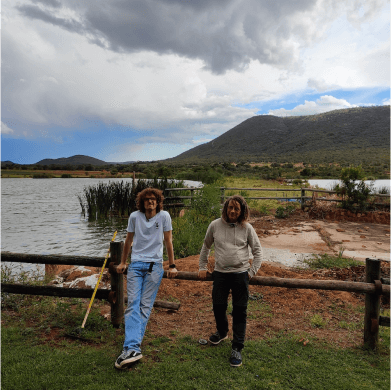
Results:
<point x="232" y="242"/>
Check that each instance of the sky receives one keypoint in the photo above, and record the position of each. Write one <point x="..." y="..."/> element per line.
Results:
<point x="146" y="80"/>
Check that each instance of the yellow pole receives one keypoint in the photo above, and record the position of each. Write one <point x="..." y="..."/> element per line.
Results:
<point x="97" y="284"/>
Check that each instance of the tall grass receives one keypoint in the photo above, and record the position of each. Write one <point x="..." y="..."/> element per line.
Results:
<point x="117" y="198"/>
<point x="189" y="230"/>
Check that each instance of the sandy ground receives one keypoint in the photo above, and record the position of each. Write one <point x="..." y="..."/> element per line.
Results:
<point x="288" y="241"/>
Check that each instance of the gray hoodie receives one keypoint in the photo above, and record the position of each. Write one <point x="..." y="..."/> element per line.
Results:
<point x="232" y="243"/>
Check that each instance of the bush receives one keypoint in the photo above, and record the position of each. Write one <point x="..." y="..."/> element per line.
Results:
<point x="285" y="212"/>
<point x="189" y="231"/>
<point x="353" y="189"/>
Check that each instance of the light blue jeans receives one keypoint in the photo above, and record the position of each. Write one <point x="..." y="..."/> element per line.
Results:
<point x="142" y="288"/>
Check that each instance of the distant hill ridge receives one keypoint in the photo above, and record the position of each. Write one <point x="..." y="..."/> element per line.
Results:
<point x="78" y="159"/>
<point x="355" y="133"/>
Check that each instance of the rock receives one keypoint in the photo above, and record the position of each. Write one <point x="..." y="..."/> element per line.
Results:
<point x="340" y="230"/>
<point x="363" y="237"/>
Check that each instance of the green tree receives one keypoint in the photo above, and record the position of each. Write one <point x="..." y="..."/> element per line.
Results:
<point x="355" y="192"/>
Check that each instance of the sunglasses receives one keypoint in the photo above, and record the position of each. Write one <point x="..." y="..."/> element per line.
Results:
<point x="148" y="199"/>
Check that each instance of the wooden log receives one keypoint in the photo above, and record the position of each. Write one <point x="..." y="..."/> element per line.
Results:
<point x="384" y="321"/>
<point x="117" y="285"/>
<point x="167" y="305"/>
<point x="372" y="305"/>
<point x="336" y="285"/>
<point x="52" y="259"/>
<point x="52" y="291"/>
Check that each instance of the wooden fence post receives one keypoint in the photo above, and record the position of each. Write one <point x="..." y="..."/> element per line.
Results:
<point x="372" y="305"/>
<point x="302" y="198"/>
<point x="117" y="286"/>
<point x="222" y="189"/>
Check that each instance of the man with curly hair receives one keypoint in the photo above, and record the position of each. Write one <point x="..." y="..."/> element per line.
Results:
<point x="147" y="229"/>
<point x="232" y="237"/>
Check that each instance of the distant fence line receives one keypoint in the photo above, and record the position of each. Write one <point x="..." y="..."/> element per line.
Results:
<point x="302" y="198"/>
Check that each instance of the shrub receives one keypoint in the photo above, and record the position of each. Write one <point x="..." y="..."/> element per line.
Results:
<point x="285" y="212"/>
<point x="189" y="231"/>
<point x="353" y="189"/>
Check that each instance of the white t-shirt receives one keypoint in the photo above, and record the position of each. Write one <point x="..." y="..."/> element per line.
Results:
<point x="148" y="235"/>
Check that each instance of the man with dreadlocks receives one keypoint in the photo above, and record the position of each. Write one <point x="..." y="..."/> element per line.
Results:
<point x="232" y="236"/>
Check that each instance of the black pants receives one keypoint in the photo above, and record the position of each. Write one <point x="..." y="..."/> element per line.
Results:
<point x="223" y="283"/>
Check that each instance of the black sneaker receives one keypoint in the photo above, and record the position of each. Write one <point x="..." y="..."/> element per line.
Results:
<point x="216" y="338"/>
<point x="235" y="359"/>
<point x="127" y="357"/>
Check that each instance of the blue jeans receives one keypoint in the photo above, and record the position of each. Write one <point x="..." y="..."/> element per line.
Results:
<point x="142" y="288"/>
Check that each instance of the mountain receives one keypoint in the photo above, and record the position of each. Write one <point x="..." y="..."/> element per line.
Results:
<point x="352" y="135"/>
<point x="74" y="160"/>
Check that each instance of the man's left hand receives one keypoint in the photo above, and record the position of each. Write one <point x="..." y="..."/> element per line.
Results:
<point x="172" y="272"/>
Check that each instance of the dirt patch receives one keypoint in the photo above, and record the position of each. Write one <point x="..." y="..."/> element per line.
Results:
<point x="271" y="310"/>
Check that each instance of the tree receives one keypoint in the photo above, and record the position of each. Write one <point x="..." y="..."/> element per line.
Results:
<point x="355" y="192"/>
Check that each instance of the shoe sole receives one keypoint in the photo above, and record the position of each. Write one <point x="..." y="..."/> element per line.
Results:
<point x="127" y="362"/>
<point x="218" y="342"/>
<point x="235" y="365"/>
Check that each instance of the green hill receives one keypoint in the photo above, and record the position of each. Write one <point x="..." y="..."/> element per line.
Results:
<point x="356" y="135"/>
<point x="74" y="160"/>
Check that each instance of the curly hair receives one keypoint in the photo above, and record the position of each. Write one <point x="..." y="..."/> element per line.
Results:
<point x="149" y="191"/>
<point x="244" y="210"/>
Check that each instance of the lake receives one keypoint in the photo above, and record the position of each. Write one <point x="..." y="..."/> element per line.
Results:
<point x="43" y="216"/>
<point x="329" y="184"/>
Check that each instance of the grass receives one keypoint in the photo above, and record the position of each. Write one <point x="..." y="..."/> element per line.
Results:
<point x="262" y="206"/>
<point x="280" y="362"/>
<point x="329" y="261"/>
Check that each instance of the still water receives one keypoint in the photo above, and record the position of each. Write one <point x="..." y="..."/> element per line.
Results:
<point x="330" y="184"/>
<point x="43" y="216"/>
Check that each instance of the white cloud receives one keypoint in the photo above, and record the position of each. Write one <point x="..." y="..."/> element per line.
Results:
<point x="201" y="140"/>
<point x="5" y="129"/>
<point x="177" y="72"/>
<point x="324" y="104"/>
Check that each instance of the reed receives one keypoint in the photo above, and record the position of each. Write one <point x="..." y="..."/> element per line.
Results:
<point x="110" y="199"/>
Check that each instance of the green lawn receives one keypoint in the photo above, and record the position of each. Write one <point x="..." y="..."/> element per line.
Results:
<point x="182" y="363"/>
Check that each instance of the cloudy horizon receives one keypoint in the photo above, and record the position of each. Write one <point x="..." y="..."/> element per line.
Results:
<point x="149" y="79"/>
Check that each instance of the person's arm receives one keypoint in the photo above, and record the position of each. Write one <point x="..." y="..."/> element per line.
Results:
<point x="172" y="272"/>
<point x="257" y="251"/>
<point x="203" y="262"/>
<point x="125" y="253"/>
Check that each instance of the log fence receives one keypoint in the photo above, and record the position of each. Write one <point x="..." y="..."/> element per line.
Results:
<point x="373" y="287"/>
<point x="285" y="197"/>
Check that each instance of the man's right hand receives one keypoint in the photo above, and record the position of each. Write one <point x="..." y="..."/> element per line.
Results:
<point x="121" y="268"/>
<point x="202" y="274"/>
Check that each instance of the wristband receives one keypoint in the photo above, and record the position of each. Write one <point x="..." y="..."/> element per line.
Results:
<point x="171" y="266"/>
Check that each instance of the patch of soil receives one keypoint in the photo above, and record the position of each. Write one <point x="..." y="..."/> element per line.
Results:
<point x="271" y="310"/>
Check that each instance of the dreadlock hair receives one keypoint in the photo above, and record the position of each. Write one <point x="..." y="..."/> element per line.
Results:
<point x="244" y="210"/>
<point x="149" y="191"/>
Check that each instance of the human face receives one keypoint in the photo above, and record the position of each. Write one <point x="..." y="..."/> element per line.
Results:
<point x="150" y="203"/>
<point x="233" y="211"/>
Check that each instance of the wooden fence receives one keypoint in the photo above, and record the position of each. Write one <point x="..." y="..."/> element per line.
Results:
<point x="373" y="288"/>
<point x="302" y="198"/>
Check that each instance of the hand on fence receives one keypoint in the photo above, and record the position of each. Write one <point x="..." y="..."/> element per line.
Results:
<point x="172" y="272"/>
<point x="121" y="268"/>
<point x="202" y="274"/>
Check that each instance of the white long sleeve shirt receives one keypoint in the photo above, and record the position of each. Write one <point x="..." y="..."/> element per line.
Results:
<point x="232" y="243"/>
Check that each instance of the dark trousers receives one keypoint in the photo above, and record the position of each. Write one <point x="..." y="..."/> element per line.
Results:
<point x="223" y="283"/>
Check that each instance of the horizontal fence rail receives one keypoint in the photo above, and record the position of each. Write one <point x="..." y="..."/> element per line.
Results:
<point x="271" y="281"/>
<point x="302" y="198"/>
<point x="52" y="259"/>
